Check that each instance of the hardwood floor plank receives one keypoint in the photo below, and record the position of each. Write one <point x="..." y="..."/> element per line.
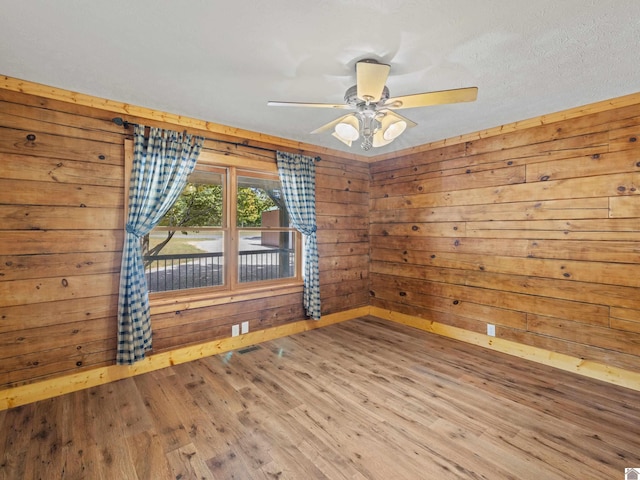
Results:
<point x="109" y="461"/>
<point x="15" y="438"/>
<point x="563" y="451"/>
<point x="148" y="456"/>
<point x="44" y="434"/>
<point x="232" y="465"/>
<point x="172" y="432"/>
<point x="193" y="416"/>
<point x="363" y="399"/>
<point x="290" y="464"/>
<point x="185" y="462"/>
<point x="329" y="461"/>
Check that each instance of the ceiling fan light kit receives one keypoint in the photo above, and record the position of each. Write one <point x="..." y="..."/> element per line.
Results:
<point x="348" y="129"/>
<point x="394" y="130"/>
<point x="373" y="120"/>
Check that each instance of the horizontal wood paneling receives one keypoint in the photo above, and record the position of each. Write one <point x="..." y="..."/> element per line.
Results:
<point x="547" y="287"/>
<point x="53" y="289"/>
<point x="25" y="118"/>
<point x="586" y="166"/>
<point x="51" y="217"/>
<point x="21" y="267"/>
<point x="44" y="193"/>
<point x="532" y="229"/>
<point x="62" y="189"/>
<point x="493" y="177"/>
<point x="34" y="242"/>
<point x="31" y="315"/>
<point x="525" y="210"/>
<point x="574" y="188"/>
<point x="549" y="252"/>
<point x="455" y="297"/>
<point x="44" y="169"/>
<point x="54" y="336"/>
<point x="342" y="203"/>
<point x="186" y="330"/>
<point x="36" y="143"/>
<point x="627" y="274"/>
<point x="88" y="105"/>
<point x="53" y="362"/>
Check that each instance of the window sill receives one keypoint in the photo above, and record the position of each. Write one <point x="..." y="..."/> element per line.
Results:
<point x="187" y="300"/>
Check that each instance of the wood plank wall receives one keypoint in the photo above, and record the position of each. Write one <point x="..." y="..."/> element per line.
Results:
<point x="61" y="235"/>
<point x="343" y="233"/>
<point x="535" y="231"/>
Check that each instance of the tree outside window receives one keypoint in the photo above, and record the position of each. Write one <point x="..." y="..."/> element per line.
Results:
<point x="209" y="239"/>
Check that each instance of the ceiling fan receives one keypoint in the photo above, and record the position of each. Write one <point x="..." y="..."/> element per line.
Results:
<point x="374" y="119"/>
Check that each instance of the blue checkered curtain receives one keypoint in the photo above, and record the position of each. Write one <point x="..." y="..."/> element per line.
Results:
<point x="161" y="163"/>
<point x="298" y="178"/>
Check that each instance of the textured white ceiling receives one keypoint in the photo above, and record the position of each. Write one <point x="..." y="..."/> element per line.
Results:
<point x="222" y="61"/>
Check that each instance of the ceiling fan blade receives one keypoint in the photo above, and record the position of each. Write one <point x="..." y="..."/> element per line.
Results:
<point x="371" y="78"/>
<point x="433" y="98"/>
<point x="332" y="124"/>
<point x="316" y="105"/>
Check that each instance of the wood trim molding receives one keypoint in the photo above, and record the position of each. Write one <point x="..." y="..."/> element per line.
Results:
<point x="587" y="368"/>
<point x="59" y="94"/>
<point x="54" y="93"/>
<point x="238" y="161"/>
<point x="33" y="392"/>
<point x="602" y="106"/>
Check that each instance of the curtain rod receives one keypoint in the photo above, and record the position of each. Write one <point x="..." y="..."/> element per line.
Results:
<point x="123" y="123"/>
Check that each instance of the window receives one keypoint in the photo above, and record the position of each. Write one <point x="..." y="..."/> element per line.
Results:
<point x="228" y="230"/>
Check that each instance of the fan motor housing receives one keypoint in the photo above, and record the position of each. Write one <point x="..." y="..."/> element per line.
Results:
<point x="351" y="96"/>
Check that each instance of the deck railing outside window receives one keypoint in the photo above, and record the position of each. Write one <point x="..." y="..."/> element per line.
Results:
<point x="196" y="270"/>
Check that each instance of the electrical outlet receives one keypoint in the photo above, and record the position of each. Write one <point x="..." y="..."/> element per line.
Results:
<point x="235" y="330"/>
<point x="491" y="330"/>
<point x="245" y="328"/>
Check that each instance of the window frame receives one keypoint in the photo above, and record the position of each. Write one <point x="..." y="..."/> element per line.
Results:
<point x="234" y="233"/>
<point x="233" y="290"/>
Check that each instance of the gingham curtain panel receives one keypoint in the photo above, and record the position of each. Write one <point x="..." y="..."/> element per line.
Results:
<point x="298" y="178"/>
<point x="161" y="164"/>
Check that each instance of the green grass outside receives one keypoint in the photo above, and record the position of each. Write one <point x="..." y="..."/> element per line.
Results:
<point x="178" y="245"/>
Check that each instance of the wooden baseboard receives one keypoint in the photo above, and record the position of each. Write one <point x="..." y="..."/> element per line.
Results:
<point x="33" y="392"/>
<point x="587" y="368"/>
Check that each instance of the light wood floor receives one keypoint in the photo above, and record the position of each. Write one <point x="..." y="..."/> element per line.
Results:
<point x="365" y="399"/>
